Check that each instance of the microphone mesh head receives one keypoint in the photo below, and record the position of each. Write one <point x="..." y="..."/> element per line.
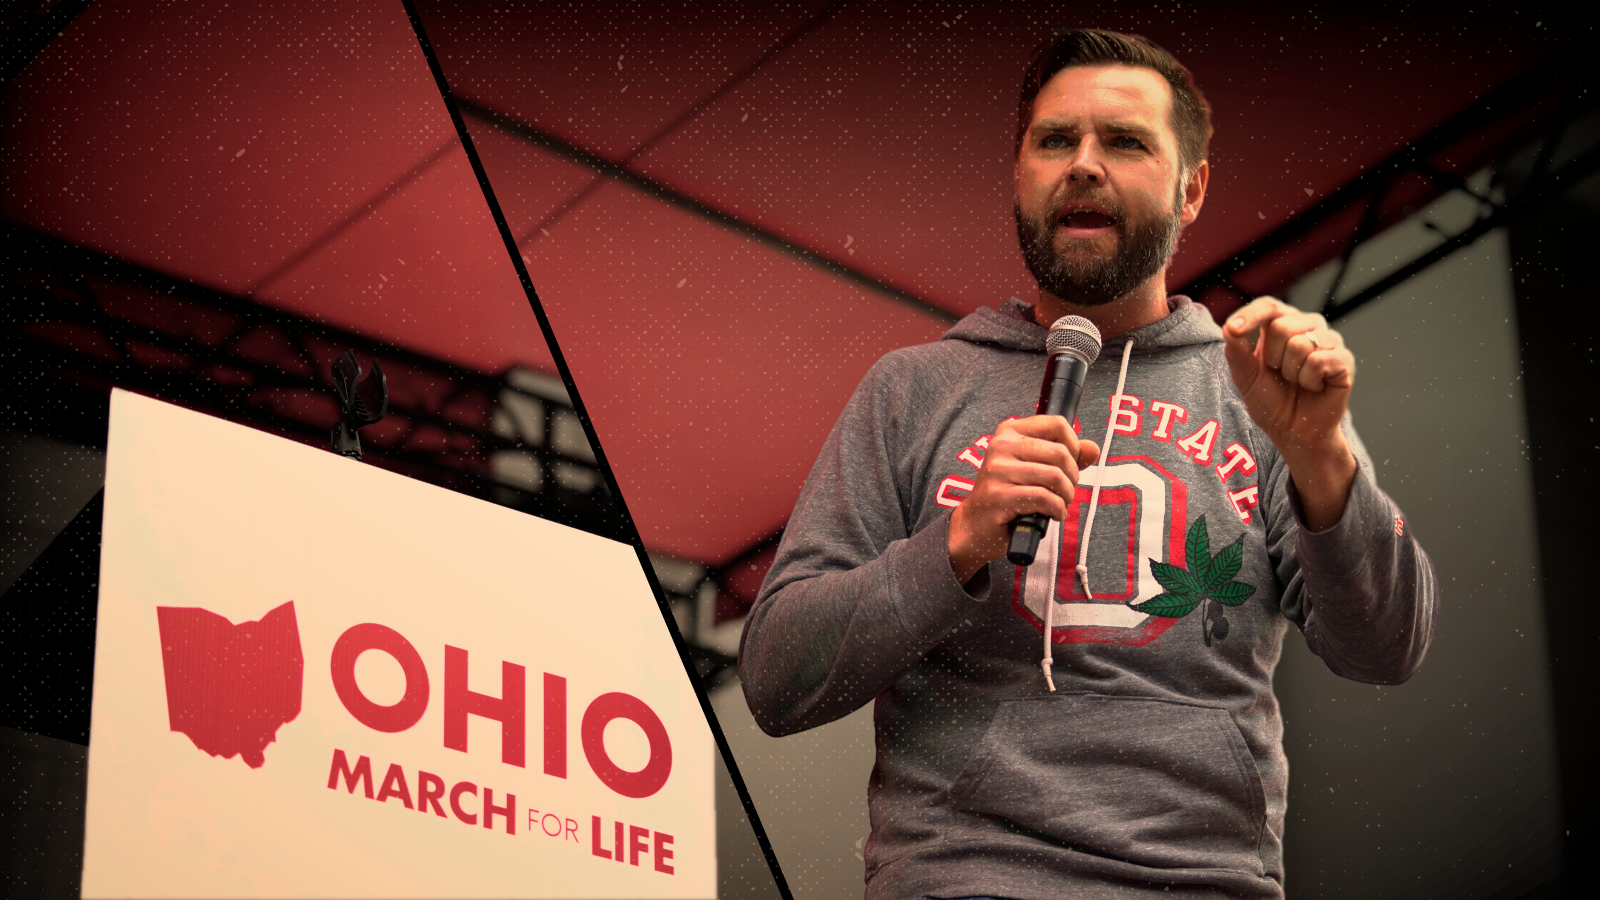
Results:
<point x="1075" y="335"/>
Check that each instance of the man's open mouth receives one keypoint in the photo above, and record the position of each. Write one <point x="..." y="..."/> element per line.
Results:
<point x="1087" y="218"/>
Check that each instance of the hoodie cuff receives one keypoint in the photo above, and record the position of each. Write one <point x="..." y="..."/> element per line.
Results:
<point x="926" y="594"/>
<point x="1346" y="547"/>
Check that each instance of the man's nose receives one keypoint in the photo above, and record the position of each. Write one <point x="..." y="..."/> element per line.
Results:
<point x="1086" y="163"/>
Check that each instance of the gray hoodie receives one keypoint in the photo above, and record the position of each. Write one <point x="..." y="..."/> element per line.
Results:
<point x="1156" y="764"/>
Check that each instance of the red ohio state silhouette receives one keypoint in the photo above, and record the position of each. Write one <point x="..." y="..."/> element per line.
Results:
<point x="230" y="687"/>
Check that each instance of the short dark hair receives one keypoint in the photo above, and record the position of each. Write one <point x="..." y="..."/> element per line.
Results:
<point x="1191" y="114"/>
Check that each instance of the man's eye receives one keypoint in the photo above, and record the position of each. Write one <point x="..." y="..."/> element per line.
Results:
<point x="1054" y="142"/>
<point x="1128" y="142"/>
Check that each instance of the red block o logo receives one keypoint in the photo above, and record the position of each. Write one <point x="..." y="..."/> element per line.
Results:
<point x="617" y="705"/>
<point x="370" y="636"/>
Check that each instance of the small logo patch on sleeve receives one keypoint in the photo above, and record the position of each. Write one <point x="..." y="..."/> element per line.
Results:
<point x="1399" y="526"/>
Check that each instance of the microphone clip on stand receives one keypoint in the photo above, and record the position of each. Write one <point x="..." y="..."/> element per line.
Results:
<point x="360" y="402"/>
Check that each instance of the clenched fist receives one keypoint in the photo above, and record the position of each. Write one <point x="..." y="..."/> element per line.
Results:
<point x="1295" y="380"/>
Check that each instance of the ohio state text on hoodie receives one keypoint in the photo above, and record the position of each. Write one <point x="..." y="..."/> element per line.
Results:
<point x="1156" y="764"/>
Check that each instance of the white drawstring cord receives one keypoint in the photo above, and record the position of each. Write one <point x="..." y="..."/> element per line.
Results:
<point x="1099" y="469"/>
<point x="1088" y="525"/>
<point x="1053" y="534"/>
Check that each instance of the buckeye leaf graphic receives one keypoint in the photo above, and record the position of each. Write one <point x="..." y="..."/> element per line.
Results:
<point x="1209" y="577"/>
<point x="1182" y="594"/>
<point x="1175" y="579"/>
<point x="1197" y="551"/>
<point x="1233" y="593"/>
<point x="1226" y="564"/>
<point x="1171" y="605"/>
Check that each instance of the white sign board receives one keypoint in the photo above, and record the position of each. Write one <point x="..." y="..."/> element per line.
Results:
<point x="314" y="678"/>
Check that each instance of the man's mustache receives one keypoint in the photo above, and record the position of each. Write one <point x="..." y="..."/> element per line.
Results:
<point x="1100" y="199"/>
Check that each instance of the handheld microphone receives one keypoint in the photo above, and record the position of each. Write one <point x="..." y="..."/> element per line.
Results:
<point x="1073" y="345"/>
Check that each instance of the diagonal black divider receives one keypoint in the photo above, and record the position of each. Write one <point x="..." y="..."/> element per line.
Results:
<point x="47" y="634"/>
<point x="594" y="442"/>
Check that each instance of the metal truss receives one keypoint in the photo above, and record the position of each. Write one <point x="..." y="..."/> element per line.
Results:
<point x="622" y="173"/>
<point x="709" y="604"/>
<point x="1533" y="112"/>
<point x="90" y="319"/>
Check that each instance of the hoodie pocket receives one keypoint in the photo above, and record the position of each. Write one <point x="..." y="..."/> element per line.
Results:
<point x="1150" y="782"/>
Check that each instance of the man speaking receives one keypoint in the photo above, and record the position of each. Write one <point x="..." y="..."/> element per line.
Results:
<point x="1100" y="722"/>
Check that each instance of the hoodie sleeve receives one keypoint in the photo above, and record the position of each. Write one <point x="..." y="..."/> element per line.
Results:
<point x="854" y="598"/>
<point x="1362" y="591"/>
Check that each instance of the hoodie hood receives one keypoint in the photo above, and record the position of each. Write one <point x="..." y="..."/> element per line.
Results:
<point x="1187" y="323"/>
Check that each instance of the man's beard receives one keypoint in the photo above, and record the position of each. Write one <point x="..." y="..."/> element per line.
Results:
<point x="1142" y="249"/>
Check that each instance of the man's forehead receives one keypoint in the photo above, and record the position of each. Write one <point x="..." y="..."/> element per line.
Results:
<point x="1124" y="93"/>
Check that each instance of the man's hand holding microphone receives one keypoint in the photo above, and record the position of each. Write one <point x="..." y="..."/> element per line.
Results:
<point x="1031" y="469"/>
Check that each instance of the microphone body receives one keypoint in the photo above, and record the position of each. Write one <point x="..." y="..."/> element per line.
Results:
<point x="1063" y="382"/>
<point x="1072" y="350"/>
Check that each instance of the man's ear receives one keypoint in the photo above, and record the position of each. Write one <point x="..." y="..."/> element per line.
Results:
<point x="1194" y="192"/>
